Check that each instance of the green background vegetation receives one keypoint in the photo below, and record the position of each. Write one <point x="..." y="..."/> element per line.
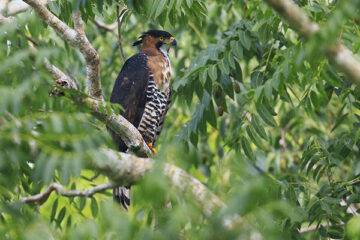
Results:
<point x="259" y="116"/>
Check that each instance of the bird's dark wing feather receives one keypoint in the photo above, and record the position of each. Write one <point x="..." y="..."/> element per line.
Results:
<point x="130" y="91"/>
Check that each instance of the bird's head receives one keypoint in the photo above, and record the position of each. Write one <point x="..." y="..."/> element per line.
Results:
<point x="155" y="38"/>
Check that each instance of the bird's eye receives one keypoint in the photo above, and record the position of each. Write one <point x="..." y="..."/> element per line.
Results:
<point x="161" y="38"/>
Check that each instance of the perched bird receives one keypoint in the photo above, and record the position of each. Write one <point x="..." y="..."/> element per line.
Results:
<point x="143" y="89"/>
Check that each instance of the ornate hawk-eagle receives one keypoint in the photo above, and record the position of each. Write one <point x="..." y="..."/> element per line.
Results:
<point x="143" y="90"/>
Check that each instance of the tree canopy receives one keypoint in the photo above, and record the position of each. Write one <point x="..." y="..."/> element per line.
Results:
<point x="262" y="140"/>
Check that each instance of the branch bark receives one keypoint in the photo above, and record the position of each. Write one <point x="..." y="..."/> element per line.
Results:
<point x="14" y="7"/>
<point x="91" y="57"/>
<point x="343" y="59"/>
<point x="123" y="169"/>
<point x="59" y="77"/>
<point x="60" y="189"/>
<point x="128" y="133"/>
<point x="102" y="111"/>
<point x="77" y="38"/>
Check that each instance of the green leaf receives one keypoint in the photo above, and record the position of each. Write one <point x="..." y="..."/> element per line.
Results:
<point x="245" y="40"/>
<point x="189" y="3"/>
<point x="61" y="215"/>
<point x="82" y="203"/>
<point x="256" y="79"/>
<point x="313" y="160"/>
<point x="199" y="89"/>
<point x="339" y="120"/>
<point x="353" y="227"/>
<point x="314" y="99"/>
<point x="237" y="49"/>
<point x="210" y="115"/>
<point x="255" y="122"/>
<point x="53" y="209"/>
<point x="266" y="116"/>
<point x="247" y="148"/>
<point x="254" y="138"/>
<point x="238" y="73"/>
<point x="219" y="97"/>
<point x="224" y="68"/>
<point x="94" y="207"/>
<point x="154" y="6"/>
<point x="160" y="8"/>
<point x="203" y="76"/>
<point x="194" y="137"/>
<point x="230" y="60"/>
<point x="227" y="85"/>
<point x="69" y="221"/>
<point x="208" y="85"/>
<point x="269" y="108"/>
<point x="213" y="72"/>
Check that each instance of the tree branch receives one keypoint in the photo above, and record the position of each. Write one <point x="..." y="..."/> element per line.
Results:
<point x="107" y="27"/>
<point x="128" y="133"/>
<point x="14" y="7"/>
<point x="338" y="54"/>
<point x="123" y="169"/>
<point x="77" y="38"/>
<point x="102" y="111"/>
<point x="40" y="198"/>
<point x="4" y="19"/>
<point x="60" y="78"/>
<point x="92" y="59"/>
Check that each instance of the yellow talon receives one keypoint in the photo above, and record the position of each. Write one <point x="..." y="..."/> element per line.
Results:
<point x="151" y="147"/>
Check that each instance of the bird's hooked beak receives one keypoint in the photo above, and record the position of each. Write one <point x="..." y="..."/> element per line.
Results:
<point x="171" y="42"/>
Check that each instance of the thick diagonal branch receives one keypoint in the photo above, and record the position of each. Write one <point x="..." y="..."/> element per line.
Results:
<point x="77" y="38"/>
<point x="338" y="54"/>
<point x="60" y="189"/>
<point x="128" y="133"/>
<point x="123" y="168"/>
<point x="91" y="57"/>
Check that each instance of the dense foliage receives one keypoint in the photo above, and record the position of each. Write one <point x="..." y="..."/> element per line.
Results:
<point x="259" y="116"/>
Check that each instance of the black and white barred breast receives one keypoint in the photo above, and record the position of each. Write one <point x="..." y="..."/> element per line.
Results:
<point x="156" y="107"/>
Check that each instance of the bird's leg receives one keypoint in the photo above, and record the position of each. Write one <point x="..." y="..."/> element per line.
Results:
<point x="152" y="148"/>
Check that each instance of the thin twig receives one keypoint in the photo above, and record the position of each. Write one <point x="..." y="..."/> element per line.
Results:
<point x="107" y="27"/>
<point x="40" y="198"/>
<point x="120" y="19"/>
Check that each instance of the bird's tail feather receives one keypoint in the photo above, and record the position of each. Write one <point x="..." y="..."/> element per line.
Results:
<point x="122" y="196"/>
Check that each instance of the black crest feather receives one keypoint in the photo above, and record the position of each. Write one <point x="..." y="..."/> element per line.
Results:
<point x="153" y="33"/>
